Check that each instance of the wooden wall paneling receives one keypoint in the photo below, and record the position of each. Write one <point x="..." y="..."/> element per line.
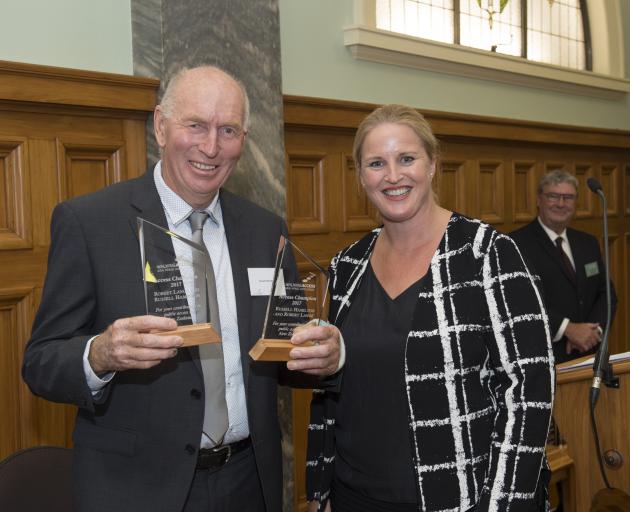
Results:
<point x="585" y="207"/>
<point x="615" y="250"/>
<point x="571" y="404"/>
<point x="45" y="195"/>
<point x="16" y="310"/>
<point x="524" y="191"/>
<point x="306" y="192"/>
<point x="62" y="133"/>
<point x="15" y="213"/>
<point x="626" y="189"/>
<point x="85" y="167"/>
<point x="451" y="185"/>
<point x="48" y="85"/>
<point x="10" y="318"/>
<point x="623" y="291"/>
<point x="358" y="212"/>
<point x="610" y="181"/>
<point x="135" y="149"/>
<point x="491" y="192"/>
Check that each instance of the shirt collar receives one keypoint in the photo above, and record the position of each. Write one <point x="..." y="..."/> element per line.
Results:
<point x="177" y="210"/>
<point x="552" y="234"/>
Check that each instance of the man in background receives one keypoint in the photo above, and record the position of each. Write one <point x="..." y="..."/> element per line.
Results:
<point x="570" y="267"/>
<point x="154" y="431"/>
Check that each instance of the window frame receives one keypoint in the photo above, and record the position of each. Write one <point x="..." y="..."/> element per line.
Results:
<point x="366" y="42"/>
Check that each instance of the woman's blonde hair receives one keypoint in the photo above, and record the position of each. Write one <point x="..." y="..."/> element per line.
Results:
<point x="396" y="114"/>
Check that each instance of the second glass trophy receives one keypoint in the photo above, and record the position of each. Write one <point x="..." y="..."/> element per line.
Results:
<point x="170" y="280"/>
<point x="294" y="300"/>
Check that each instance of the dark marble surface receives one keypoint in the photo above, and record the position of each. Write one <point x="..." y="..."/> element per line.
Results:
<point x="242" y="37"/>
<point x="146" y="26"/>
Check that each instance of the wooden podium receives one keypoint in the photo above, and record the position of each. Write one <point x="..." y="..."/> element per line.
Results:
<point x="612" y="413"/>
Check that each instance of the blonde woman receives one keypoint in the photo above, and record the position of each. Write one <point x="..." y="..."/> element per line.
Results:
<point x="446" y="395"/>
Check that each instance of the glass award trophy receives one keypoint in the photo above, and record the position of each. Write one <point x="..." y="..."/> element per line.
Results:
<point x="164" y="275"/>
<point x="294" y="300"/>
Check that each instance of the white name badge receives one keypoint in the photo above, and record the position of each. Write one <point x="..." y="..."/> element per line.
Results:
<point x="260" y="281"/>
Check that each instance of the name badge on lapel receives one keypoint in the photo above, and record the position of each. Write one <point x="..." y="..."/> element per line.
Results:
<point x="260" y="281"/>
<point x="591" y="269"/>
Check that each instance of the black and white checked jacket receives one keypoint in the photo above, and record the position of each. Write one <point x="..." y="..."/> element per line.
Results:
<point x="479" y="374"/>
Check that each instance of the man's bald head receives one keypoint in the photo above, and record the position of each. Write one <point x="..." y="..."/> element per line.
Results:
<point x="186" y="76"/>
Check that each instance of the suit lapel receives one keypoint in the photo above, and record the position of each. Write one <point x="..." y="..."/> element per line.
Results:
<point x="145" y="200"/>
<point x="578" y="259"/>
<point x="239" y="240"/>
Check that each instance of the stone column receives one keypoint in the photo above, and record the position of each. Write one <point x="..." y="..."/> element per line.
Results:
<point x="242" y="37"/>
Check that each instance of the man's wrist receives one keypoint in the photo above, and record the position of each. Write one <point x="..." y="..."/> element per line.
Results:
<point x="560" y="333"/>
<point x="95" y="382"/>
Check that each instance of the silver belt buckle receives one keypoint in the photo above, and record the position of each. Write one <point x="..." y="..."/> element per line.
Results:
<point x="225" y="447"/>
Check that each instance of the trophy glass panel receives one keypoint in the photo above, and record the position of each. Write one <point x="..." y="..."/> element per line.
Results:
<point x="294" y="300"/>
<point x="170" y="280"/>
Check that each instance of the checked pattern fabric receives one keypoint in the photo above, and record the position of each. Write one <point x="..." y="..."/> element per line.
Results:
<point x="478" y="372"/>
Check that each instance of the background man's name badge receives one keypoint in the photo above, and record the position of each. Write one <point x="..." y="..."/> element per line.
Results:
<point x="591" y="269"/>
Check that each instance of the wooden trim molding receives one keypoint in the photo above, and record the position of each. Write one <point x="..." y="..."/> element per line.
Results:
<point x="307" y="112"/>
<point x="21" y="82"/>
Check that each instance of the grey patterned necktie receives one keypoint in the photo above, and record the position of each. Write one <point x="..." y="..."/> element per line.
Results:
<point x="215" y="418"/>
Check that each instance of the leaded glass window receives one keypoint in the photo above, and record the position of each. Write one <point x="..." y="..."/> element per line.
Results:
<point x="551" y="31"/>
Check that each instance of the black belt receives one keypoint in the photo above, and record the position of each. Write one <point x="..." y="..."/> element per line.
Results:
<point x="214" y="458"/>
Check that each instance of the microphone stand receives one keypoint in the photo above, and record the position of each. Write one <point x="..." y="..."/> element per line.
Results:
<point x="602" y="370"/>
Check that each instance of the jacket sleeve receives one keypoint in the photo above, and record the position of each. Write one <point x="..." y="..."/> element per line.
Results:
<point x="521" y="380"/>
<point x="53" y="359"/>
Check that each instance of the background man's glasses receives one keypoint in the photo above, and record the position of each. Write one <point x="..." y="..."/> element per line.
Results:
<point x="555" y="198"/>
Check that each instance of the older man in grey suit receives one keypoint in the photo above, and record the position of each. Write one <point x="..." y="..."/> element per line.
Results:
<point x="139" y="439"/>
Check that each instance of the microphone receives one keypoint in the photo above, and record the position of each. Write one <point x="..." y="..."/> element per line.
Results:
<point x="594" y="185"/>
<point x="601" y="361"/>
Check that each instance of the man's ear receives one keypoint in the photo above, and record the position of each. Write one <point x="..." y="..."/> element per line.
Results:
<point x="159" y="128"/>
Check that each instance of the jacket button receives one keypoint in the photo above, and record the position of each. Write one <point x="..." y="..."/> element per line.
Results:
<point x="190" y="449"/>
<point x="195" y="393"/>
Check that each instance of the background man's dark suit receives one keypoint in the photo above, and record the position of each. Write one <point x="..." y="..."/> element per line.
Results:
<point x="585" y="302"/>
<point x="135" y="446"/>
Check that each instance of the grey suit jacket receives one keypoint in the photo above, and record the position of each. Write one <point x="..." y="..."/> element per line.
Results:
<point x="135" y="447"/>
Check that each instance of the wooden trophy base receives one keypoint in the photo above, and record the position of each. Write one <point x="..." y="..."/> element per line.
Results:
<point x="195" y="334"/>
<point x="274" y="350"/>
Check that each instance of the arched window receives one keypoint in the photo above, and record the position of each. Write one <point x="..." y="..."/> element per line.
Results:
<point x="551" y="31"/>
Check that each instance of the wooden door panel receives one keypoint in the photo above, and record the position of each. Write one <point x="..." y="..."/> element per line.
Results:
<point x="86" y="167"/>
<point x="491" y="192"/>
<point x="307" y="206"/>
<point x="524" y="184"/>
<point x="359" y="214"/>
<point x="15" y="219"/>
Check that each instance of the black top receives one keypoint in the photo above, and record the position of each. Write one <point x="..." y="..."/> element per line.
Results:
<point x="374" y="450"/>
